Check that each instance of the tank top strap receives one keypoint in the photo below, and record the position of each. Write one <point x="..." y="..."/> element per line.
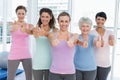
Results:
<point x="27" y="25"/>
<point x="70" y="35"/>
<point x="51" y="30"/>
<point x="56" y="34"/>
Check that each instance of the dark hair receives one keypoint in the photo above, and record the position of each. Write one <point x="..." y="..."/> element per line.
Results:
<point x="21" y="7"/>
<point x="52" y="21"/>
<point x="64" y="14"/>
<point x="101" y="14"/>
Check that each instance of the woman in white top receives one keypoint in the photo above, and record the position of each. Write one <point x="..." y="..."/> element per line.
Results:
<point x="102" y="54"/>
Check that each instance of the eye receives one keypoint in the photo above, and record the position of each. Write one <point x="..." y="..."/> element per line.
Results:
<point x="83" y="26"/>
<point x="87" y="26"/>
<point x="23" y="13"/>
<point x="61" y="21"/>
<point x="66" y="21"/>
<point x="103" y="19"/>
<point x="98" y="19"/>
<point x="18" y="13"/>
<point x="42" y="16"/>
<point x="47" y="16"/>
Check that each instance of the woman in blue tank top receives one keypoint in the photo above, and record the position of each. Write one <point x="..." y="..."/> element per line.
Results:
<point x="84" y="56"/>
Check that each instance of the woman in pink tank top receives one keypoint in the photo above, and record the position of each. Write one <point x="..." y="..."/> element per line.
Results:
<point x="19" y="52"/>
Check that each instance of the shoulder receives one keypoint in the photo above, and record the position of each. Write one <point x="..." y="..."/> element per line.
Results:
<point x="75" y="35"/>
<point x="51" y="34"/>
<point x="13" y="24"/>
<point x="91" y="35"/>
<point x="55" y="29"/>
<point x="31" y="25"/>
<point x="92" y="31"/>
<point x="109" y="32"/>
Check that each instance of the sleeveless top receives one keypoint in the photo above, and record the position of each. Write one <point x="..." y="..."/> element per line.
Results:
<point x="85" y="57"/>
<point x="102" y="54"/>
<point x="62" y="58"/>
<point x="20" y="45"/>
<point x="42" y="55"/>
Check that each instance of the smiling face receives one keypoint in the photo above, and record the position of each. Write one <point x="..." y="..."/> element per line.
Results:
<point x="85" y="28"/>
<point x="21" y="14"/>
<point x="45" y="18"/>
<point x="64" y="22"/>
<point x="100" y="21"/>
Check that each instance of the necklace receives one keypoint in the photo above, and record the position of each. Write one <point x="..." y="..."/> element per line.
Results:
<point x="21" y="23"/>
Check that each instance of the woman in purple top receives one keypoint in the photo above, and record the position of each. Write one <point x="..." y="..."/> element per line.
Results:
<point x="63" y="47"/>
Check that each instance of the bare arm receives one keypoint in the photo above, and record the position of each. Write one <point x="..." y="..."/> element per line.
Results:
<point x="30" y="29"/>
<point x="36" y="32"/>
<point x="53" y="40"/>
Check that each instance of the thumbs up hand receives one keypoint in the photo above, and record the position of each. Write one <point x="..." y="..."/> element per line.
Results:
<point x="102" y="42"/>
<point x="70" y="43"/>
<point x="85" y="44"/>
<point x="42" y="32"/>
<point x="55" y="42"/>
<point x="98" y="42"/>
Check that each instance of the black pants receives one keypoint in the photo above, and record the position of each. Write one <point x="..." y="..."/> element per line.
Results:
<point x="85" y="75"/>
<point x="102" y="73"/>
<point x="54" y="76"/>
<point x="13" y="65"/>
<point x="41" y="74"/>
